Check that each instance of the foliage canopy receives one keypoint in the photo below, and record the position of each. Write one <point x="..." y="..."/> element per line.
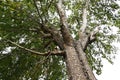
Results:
<point x="21" y="22"/>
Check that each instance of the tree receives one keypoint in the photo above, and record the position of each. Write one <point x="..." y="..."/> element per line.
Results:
<point x="47" y="43"/>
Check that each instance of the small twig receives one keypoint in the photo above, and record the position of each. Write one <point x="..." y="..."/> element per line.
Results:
<point x="37" y="10"/>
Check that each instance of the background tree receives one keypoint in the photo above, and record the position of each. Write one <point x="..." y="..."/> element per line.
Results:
<point x="38" y="37"/>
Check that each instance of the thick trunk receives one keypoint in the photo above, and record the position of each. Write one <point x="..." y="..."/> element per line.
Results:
<point x="78" y="68"/>
<point x="73" y="64"/>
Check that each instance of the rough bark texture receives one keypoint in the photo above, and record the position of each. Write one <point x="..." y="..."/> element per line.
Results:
<point x="78" y="67"/>
<point x="82" y="57"/>
<point x="73" y="64"/>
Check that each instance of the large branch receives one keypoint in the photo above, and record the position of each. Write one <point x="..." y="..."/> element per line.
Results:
<point x="56" y="52"/>
<point x="83" y="37"/>
<point x="62" y="14"/>
<point x="84" y="17"/>
<point x="64" y="24"/>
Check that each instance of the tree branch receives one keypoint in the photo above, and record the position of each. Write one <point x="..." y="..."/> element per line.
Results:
<point x="90" y="38"/>
<point x="62" y="14"/>
<point x="84" y="17"/>
<point x="56" y="52"/>
<point x="83" y="37"/>
<point x="94" y="32"/>
<point x="50" y="31"/>
<point x="64" y="27"/>
<point x="53" y="33"/>
<point x="37" y="10"/>
<point x="56" y="36"/>
<point x="41" y="33"/>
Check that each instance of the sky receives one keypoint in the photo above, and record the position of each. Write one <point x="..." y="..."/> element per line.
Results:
<point x="111" y="71"/>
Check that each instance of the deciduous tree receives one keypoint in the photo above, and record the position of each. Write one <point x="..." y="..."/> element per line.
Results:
<point x="56" y="39"/>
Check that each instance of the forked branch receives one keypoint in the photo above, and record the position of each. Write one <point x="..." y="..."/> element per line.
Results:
<point x="91" y="38"/>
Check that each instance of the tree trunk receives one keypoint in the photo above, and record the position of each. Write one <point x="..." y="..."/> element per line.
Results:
<point x="77" y="64"/>
<point x="73" y="64"/>
<point x="78" y="69"/>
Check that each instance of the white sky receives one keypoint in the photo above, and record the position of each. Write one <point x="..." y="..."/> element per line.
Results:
<point x="111" y="72"/>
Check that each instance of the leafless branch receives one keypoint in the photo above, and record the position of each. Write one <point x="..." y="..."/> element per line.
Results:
<point x="56" y="52"/>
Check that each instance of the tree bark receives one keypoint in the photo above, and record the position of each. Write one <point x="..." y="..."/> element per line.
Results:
<point x="73" y="64"/>
<point x="78" y="67"/>
<point x="83" y="59"/>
